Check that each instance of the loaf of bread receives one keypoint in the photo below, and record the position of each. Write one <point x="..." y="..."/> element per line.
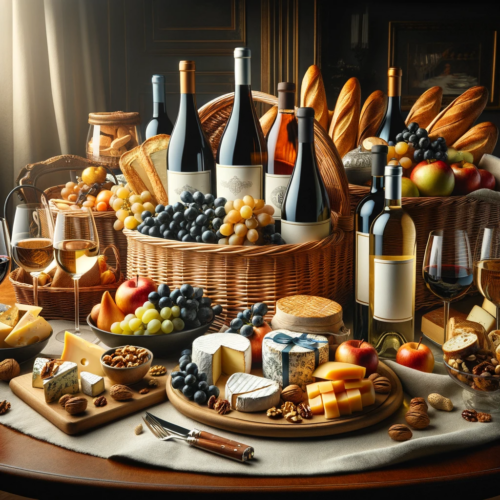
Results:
<point x="345" y="122"/>
<point x="458" y="117"/>
<point x="479" y="140"/>
<point x="426" y="107"/>
<point x="313" y="95"/>
<point x="372" y="114"/>
<point x="267" y="120"/>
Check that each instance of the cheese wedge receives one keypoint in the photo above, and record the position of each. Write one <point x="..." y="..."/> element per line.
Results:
<point x="316" y="405"/>
<point x="353" y="384"/>
<point x="335" y="370"/>
<point x="4" y="333"/>
<point x="354" y="397"/>
<point x="330" y="405"/>
<point x="479" y="315"/>
<point x="27" y="318"/>
<point x="33" y="331"/>
<point x="312" y="391"/>
<point x="87" y="356"/>
<point x="34" y="310"/>
<point x="367" y="392"/>
<point x="343" y="403"/>
<point x="10" y="317"/>
<point x="65" y="381"/>
<point x="92" y="385"/>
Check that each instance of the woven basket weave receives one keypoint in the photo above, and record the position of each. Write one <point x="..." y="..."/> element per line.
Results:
<point x="237" y="276"/>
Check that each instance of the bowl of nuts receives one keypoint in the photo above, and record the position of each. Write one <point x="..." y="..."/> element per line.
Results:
<point x="126" y="364"/>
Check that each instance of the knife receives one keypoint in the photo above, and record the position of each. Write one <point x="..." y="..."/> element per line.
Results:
<point x="247" y="452"/>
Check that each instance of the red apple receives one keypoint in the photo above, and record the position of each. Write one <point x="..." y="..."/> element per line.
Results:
<point x="358" y="352"/>
<point x="259" y="332"/>
<point x="131" y="295"/>
<point x="416" y="355"/>
<point x="433" y="178"/>
<point x="487" y="179"/>
<point x="467" y="178"/>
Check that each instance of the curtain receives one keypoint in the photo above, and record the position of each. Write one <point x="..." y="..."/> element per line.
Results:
<point x="50" y="79"/>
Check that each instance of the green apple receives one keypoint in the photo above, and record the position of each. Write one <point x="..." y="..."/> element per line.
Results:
<point x="408" y="188"/>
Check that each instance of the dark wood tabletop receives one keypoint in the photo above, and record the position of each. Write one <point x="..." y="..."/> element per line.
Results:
<point x="38" y="469"/>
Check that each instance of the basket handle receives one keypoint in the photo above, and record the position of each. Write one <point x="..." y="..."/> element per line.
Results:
<point x="116" y="252"/>
<point x="21" y="196"/>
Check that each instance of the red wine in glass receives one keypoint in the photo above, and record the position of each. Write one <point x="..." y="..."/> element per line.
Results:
<point x="448" y="281"/>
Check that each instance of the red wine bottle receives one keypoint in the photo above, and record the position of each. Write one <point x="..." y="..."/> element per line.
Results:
<point x="160" y="122"/>
<point x="393" y="122"/>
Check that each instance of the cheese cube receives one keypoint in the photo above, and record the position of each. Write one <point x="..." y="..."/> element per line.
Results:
<point x="335" y="370"/>
<point x="32" y="331"/>
<point x="312" y="391"/>
<point x="65" y="381"/>
<point x="490" y="307"/>
<point x="343" y="403"/>
<point x="87" y="356"/>
<point x="338" y="386"/>
<point x="485" y="319"/>
<point x="330" y="405"/>
<point x="367" y="392"/>
<point x="4" y="333"/>
<point x="325" y="387"/>
<point x="34" y="310"/>
<point x="92" y="385"/>
<point x="316" y="405"/>
<point x="352" y="384"/>
<point x="354" y="397"/>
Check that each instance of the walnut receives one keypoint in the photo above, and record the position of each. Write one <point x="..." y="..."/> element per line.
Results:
<point x="417" y="419"/>
<point x="157" y="371"/>
<point x="292" y="393"/>
<point x="470" y="415"/>
<point x="222" y="406"/>
<point x="50" y="368"/>
<point x="120" y="392"/>
<point x="117" y="360"/>
<point x="373" y="376"/>
<point x="440" y="402"/>
<point x="274" y="412"/>
<point x="107" y="359"/>
<point x="9" y="368"/>
<point x="211" y="402"/>
<point x="144" y="391"/>
<point x="293" y="417"/>
<point x="382" y="385"/>
<point x="64" y="399"/>
<point x="153" y="383"/>
<point x="484" y="417"/>
<point x="304" y="410"/>
<point x="100" y="401"/>
<point x="287" y="407"/>
<point x="483" y="367"/>
<point x="138" y="429"/>
<point x="75" y="405"/>
<point x="400" y="432"/>
<point x="4" y="407"/>
<point x="418" y="404"/>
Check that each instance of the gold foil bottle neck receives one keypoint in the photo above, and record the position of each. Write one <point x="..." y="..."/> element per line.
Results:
<point x="187" y="69"/>
<point x="394" y="82"/>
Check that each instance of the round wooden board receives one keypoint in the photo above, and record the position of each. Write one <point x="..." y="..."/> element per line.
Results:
<point x="258" y="424"/>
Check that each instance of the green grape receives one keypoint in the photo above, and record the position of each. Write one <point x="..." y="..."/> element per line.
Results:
<point x="135" y="324"/>
<point x="148" y="305"/>
<point x="178" y="324"/>
<point x="149" y="315"/>
<point x="116" y="328"/>
<point x="165" y="313"/>
<point x="167" y="326"/>
<point x="128" y="317"/>
<point x="140" y="311"/>
<point x="154" y="325"/>
<point x="124" y="326"/>
<point x="139" y="332"/>
<point x="176" y="311"/>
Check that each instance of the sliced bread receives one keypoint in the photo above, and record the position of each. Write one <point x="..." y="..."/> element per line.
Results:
<point x="461" y="346"/>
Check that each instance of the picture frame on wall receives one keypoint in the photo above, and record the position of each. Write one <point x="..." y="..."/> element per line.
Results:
<point x="452" y="55"/>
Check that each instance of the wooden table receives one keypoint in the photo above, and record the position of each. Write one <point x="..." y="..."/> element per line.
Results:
<point x="40" y="470"/>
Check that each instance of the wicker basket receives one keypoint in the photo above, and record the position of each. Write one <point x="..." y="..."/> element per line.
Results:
<point x="237" y="276"/>
<point x="59" y="303"/>
<point x="429" y="214"/>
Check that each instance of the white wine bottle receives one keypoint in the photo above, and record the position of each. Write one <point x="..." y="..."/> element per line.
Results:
<point x="305" y="214"/>
<point x="242" y="155"/>
<point x="190" y="161"/>
<point x="392" y="271"/>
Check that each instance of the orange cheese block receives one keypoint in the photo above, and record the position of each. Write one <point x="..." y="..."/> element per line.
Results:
<point x="331" y="406"/>
<point x="312" y="391"/>
<point x="354" y="397"/>
<point x="325" y="387"/>
<point x="352" y="384"/>
<point x="335" y="370"/>
<point x="316" y="405"/>
<point x="343" y="403"/>
<point x="367" y="392"/>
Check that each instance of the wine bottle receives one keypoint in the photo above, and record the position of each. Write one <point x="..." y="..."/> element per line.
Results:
<point x="305" y="214"/>
<point x="160" y="123"/>
<point x="242" y="154"/>
<point x="281" y="148"/>
<point x="393" y="122"/>
<point x="392" y="271"/>
<point x="190" y="161"/>
<point x="366" y="211"/>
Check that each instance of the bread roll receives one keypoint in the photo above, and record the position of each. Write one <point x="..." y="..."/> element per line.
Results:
<point x="372" y="114"/>
<point x="458" y="117"/>
<point x="426" y="107"/>
<point x="313" y="95"/>
<point x="479" y="140"/>
<point x="267" y="120"/>
<point x="345" y="122"/>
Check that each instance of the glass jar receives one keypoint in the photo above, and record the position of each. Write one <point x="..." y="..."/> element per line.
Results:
<point x="112" y="134"/>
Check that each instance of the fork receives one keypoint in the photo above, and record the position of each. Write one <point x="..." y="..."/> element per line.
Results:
<point x="164" y="435"/>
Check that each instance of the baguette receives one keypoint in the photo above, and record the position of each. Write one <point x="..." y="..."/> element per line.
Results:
<point x="461" y="346"/>
<point x="153" y="157"/>
<point x="426" y="107"/>
<point x="479" y="140"/>
<point x="313" y="95"/>
<point x="267" y="119"/>
<point x="458" y="117"/>
<point x="131" y="166"/>
<point x="372" y="114"/>
<point x="345" y="121"/>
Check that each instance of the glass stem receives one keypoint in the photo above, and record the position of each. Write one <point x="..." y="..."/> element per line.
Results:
<point x="446" y="310"/>
<point x="77" y="305"/>
<point x="35" y="288"/>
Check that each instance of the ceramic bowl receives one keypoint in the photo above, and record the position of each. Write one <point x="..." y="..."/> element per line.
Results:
<point x="126" y="376"/>
<point x="26" y="352"/>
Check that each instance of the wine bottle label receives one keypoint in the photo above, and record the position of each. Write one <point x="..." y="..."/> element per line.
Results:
<point x="276" y="186"/>
<point x="362" y="268"/>
<point x="301" y="232"/>
<point x="186" y="181"/>
<point x="234" y="182"/>
<point x="393" y="288"/>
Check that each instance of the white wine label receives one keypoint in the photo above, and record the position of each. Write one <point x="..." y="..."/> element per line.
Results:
<point x="393" y="288"/>
<point x="234" y="182"/>
<point x="276" y="186"/>
<point x="301" y="232"/>
<point x="186" y="181"/>
<point x="159" y="159"/>
<point x="362" y="267"/>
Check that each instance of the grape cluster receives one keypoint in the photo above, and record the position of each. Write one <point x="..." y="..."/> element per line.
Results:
<point x="129" y="207"/>
<point x="424" y="148"/>
<point x="166" y="311"/>
<point x="246" y="320"/>
<point x="192" y="382"/>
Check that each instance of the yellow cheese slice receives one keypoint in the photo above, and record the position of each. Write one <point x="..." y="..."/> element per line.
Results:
<point x="10" y="317"/>
<point x="479" y="315"/>
<point x="325" y="387"/>
<point x="316" y="405"/>
<point x="34" y="310"/>
<point x="354" y="397"/>
<point x="343" y="403"/>
<point x="86" y="355"/>
<point x="33" y="331"/>
<point x="4" y="333"/>
<point x="312" y="391"/>
<point x="24" y="321"/>
<point x="367" y="392"/>
<point x="331" y="406"/>
<point x="335" y="370"/>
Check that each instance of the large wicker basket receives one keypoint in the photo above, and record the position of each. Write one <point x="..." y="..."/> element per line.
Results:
<point x="429" y="214"/>
<point x="237" y="276"/>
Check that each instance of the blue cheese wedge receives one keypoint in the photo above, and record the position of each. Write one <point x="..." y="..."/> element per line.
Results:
<point x="92" y="385"/>
<point x="248" y="393"/>
<point x="37" y="372"/>
<point x="65" y="381"/>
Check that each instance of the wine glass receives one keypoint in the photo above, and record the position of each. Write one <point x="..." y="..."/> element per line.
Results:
<point x="4" y="252"/>
<point x="31" y="240"/>
<point x="447" y="267"/>
<point x="76" y="248"/>
<point x="487" y="266"/>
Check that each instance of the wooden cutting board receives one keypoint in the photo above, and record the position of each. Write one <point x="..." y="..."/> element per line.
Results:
<point x="258" y="424"/>
<point x="92" y="417"/>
